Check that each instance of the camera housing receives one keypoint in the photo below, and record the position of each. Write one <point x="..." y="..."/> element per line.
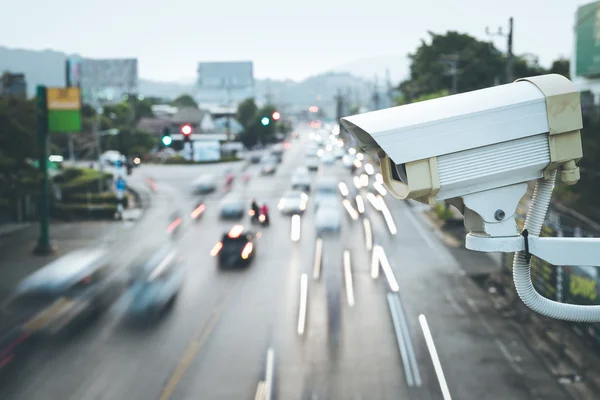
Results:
<point x="471" y="142"/>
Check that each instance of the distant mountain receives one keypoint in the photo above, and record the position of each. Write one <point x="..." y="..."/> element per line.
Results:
<point x="47" y="67"/>
<point x="369" y="68"/>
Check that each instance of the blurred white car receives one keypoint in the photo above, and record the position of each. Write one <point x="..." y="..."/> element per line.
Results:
<point x="326" y="188"/>
<point x="205" y="184"/>
<point x="339" y="153"/>
<point x="301" y="180"/>
<point x="328" y="218"/>
<point x="348" y="160"/>
<point x="232" y="206"/>
<point x="312" y="163"/>
<point x="328" y="158"/>
<point x="293" y="202"/>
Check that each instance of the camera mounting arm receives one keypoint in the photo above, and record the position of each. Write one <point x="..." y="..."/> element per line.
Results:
<point x="493" y="229"/>
<point x="554" y="250"/>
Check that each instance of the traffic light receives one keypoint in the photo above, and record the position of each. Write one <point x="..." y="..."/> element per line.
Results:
<point x="186" y="131"/>
<point x="265" y="121"/>
<point x="276" y="116"/>
<point x="166" y="138"/>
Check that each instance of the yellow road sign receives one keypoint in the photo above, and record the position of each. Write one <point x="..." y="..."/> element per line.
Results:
<point x="63" y="98"/>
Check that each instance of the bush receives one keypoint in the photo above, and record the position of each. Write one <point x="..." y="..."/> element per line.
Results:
<point x="95" y="198"/>
<point x="85" y="181"/>
<point x="180" y="160"/>
<point x="68" y="174"/>
<point x="83" y="211"/>
<point x="443" y="212"/>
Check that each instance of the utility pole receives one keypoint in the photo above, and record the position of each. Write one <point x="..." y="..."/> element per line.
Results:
<point x="228" y="118"/>
<point x="510" y="72"/>
<point x="96" y="133"/>
<point x="339" y="102"/>
<point x="43" y="247"/>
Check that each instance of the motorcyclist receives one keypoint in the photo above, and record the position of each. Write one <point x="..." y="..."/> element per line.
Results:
<point x="264" y="210"/>
<point x="254" y="207"/>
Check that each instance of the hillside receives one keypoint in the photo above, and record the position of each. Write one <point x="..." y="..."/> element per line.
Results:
<point x="47" y="68"/>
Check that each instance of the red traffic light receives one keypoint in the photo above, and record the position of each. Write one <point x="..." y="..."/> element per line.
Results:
<point x="276" y="115"/>
<point x="186" y="130"/>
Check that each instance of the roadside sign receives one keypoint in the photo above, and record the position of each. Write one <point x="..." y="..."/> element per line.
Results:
<point x="63" y="105"/>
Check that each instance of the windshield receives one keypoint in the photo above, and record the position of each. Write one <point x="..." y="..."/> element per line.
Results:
<point x="160" y="123"/>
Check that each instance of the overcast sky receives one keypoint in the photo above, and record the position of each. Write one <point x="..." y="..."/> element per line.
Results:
<point x="285" y="39"/>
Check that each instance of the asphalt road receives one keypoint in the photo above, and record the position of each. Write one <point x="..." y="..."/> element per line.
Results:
<point x="419" y="329"/>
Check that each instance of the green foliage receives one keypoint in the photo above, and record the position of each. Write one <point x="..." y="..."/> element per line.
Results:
<point x="83" y="182"/>
<point x="250" y="116"/>
<point x="130" y="142"/>
<point x="18" y="145"/>
<point x="480" y="65"/>
<point x="246" y="112"/>
<point x="443" y="212"/>
<point x="84" y="211"/>
<point x="178" y="159"/>
<point x="432" y="96"/>
<point x="185" y="100"/>
<point x="107" y="198"/>
<point x="562" y="66"/>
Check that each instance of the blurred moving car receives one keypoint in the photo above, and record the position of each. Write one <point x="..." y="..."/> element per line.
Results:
<point x="236" y="248"/>
<point x="231" y="207"/>
<point x="326" y="187"/>
<point x="312" y="163"/>
<point x="348" y="161"/>
<point x="301" y="180"/>
<point x="339" y="153"/>
<point x="293" y="202"/>
<point x="175" y="223"/>
<point x="255" y="156"/>
<point x="66" y="292"/>
<point x="155" y="284"/>
<point x="328" y="218"/>
<point x="269" y="166"/>
<point x="206" y="183"/>
<point x="328" y="158"/>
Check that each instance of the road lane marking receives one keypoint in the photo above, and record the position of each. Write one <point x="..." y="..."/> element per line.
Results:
<point x="368" y="234"/>
<point x="412" y="358"/>
<point x="420" y="229"/>
<point x="269" y="374"/>
<point x="351" y="211"/>
<point x="318" y="259"/>
<point x="360" y="204"/>
<point x="437" y="365"/>
<point x="303" y="303"/>
<point x="387" y="270"/>
<point x="348" y="278"/>
<point x="408" y="372"/>
<point x="195" y="346"/>
<point x="375" y="262"/>
<point x="454" y="304"/>
<point x="260" y="391"/>
<point x="295" y="234"/>
<point x="387" y="215"/>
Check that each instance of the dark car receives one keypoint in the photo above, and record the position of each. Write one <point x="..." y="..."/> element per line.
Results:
<point x="236" y="248"/>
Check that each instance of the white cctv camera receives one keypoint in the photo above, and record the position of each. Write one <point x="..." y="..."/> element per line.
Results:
<point x="458" y="148"/>
<point x="477" y="151"/>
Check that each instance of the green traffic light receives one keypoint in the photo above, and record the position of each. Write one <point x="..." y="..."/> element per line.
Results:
<point x="167" y="140"/>
<point x="265" y="121"/>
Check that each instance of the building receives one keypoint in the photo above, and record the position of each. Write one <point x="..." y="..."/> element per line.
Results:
<point x="585" y="61"/>
<point x="103" y="81"/>
<point x="13" y="85"/>
<point x="224" y="83"/>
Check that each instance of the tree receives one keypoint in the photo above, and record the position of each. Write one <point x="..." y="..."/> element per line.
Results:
<point x="246" y="112"/>
<point x="18" y="147"/>
<point x="480" y="65"/>
<point x="185" y="100"/>
<point x="562" y="66"/>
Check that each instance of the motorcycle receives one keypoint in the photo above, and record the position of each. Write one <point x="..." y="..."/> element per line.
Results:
<point x="259" y="218"/>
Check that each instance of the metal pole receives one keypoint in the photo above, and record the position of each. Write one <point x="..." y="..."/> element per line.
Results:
<point x="96" y="132"/>
<point x="510" y="59"/>
<point x="71" y="147"/>
<point x="43" y="247"/>
<point x="228" y="121"/>
<point x="455" y="76"/>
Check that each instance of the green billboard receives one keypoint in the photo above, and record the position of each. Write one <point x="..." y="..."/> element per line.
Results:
<point x="587" y="36"/>
<point x="63" y="105"/>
